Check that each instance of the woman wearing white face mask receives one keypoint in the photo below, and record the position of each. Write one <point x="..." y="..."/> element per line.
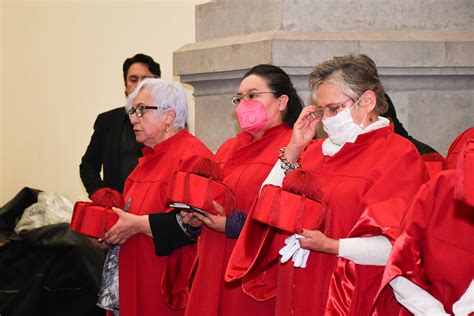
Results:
<point x="366" y="174"/>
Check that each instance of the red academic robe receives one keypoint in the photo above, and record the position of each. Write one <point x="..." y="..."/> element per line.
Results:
<point x="246" y="163"/>
<point x="456" y="147"/>
<point x="436" y="251"/>
<point x="150" y="284"/>
<point x="367" y="186"/>
<point x="434" y="163"/>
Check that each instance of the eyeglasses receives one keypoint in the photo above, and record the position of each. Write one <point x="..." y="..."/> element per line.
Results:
<point x="330" y="110"/>
<point x="140" y="110"/>
<point x="249" y="96"/>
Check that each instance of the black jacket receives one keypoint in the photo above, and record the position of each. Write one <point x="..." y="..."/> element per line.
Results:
<point x="112" y="147"/>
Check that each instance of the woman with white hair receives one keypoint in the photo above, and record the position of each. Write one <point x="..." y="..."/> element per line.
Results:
<point x="150" y="284"/>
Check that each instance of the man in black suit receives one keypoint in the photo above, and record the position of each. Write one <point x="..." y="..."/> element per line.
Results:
<point x="113" y="147"/>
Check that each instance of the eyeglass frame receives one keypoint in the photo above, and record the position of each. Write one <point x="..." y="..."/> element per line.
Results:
<point x="139" y="111"/>
<point x="236" y="99"/>
<point x="321" y="110"/>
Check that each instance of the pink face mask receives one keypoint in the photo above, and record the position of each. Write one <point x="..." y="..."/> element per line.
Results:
<point x="252" y="116"/>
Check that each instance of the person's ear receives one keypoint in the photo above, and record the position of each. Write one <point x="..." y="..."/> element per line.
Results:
<point x="168" y="116"/>
<point x="283" y="102"/>
<point x="369" y="100"/>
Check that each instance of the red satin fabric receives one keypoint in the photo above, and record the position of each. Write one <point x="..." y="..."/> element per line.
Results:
<point x="148" y="284"/>
<point x="359" y="282"/>
<point x="436" y="249"/>
<point x="456" y="147"/>
<point x="434" y="167"/>
<point x="256" y="262"/>
<point x="288" y="211"/>
<point x="92" y="220"/>
<point x="197" y="191"/>
<point x="246" y="163"/>
<point x="381" y="170"/>
<point x="434" y="163"/>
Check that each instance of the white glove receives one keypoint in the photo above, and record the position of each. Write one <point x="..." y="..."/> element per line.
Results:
<point x="300" y="258"/>
<point x="292" y="249"/>
<point x="292" y="245"/>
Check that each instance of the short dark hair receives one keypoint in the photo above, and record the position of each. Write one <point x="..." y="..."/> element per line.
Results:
<point x="280" y="83"/>
<point x="153" y="66"/>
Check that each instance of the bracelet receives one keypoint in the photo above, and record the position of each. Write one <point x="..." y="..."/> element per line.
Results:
<point x="285" y="164"/>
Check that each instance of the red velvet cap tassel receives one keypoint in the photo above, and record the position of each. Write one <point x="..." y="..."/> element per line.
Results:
<point x="302" y="183"/>
<point x="305" y="184"/>
<point x="208" y="199"/>
<point x="299" y="214"/>
<point x="107" y="197"/>
<point x="171" y="185"/>
<point x="186" y="189"/>
<point x="228" y="201"/>
<point x="208" y="168"/>
<point x="275" y="208"/>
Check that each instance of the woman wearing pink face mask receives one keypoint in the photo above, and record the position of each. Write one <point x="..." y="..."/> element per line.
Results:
<point x="267" y="107"/>
<point x="366" y="175"/>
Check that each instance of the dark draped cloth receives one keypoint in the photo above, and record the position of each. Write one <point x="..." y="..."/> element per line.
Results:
<point x="50" y="270"/>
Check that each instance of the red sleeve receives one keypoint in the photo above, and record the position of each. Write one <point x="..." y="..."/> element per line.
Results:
<point x="385" y="203"/>
<point x="405" y="258"/>
<point x="434" y="250"/>
<point x="353" y="286"/>
<point x="174" y="284"/>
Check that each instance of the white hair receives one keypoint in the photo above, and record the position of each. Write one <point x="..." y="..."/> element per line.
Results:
<point x="166" y="95"/>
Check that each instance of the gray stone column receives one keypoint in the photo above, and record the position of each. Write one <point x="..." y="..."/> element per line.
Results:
<point x="424" y="50"/>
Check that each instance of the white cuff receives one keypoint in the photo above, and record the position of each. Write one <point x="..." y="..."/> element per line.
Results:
<point x="276" y="175"/>
<point x="465" y="305"/>
<point x="372" y="251"/>
<point x="415" y="299"/>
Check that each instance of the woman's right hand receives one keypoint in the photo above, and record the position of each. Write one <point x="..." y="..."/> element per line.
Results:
<point x="303" y="132"/>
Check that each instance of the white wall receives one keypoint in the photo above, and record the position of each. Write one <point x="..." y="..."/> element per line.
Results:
<point x="61" y="66"/>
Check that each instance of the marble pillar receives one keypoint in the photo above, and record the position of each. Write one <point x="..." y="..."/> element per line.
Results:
<point x="424" y="50"/>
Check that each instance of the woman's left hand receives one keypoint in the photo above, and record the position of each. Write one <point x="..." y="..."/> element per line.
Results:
<point x="315" y="240"/>
<point x="126" y="226"/>
<point x="189" y="218"/>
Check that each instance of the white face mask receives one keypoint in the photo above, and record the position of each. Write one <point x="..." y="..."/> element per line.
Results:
<point x="341" y="128"/>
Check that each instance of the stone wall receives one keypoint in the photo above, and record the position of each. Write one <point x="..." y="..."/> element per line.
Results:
<point x="424" y="50"/>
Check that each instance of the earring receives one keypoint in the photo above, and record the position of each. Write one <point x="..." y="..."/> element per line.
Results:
<point x="167" y="127"/>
